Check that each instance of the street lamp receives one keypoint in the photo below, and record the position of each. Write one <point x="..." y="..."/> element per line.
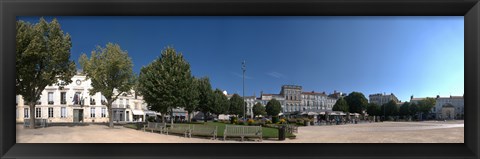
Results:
<point x="243" y="94"/>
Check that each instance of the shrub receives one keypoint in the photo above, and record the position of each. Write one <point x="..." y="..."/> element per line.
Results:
<point x="151" y="119"/>
<point x="275" y="119"/>
<point x="291" y="120"/>
<point x="233" y="120"/>
<point x="269" y="122"/>
<point x="283" y="121"/>
<point x="194" y="120"/>
<point x="240" y="122"/>
<point x="250" y="121"/>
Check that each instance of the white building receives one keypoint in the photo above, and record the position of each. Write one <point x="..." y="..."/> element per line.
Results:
<point x="445" y="107"/>
<point x="72" y="103"/>
<point x="381" y="99"/>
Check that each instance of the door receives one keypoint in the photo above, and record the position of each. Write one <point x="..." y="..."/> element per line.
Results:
<point x="75" y="115"/>
<point x="128" y="116"/>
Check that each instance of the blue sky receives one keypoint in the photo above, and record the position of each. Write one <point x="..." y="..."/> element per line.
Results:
<point x="420" y="56"/>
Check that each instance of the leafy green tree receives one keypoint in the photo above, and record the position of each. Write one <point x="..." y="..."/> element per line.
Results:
<point x="206" y="97"/>
<point x="192" y="97"/>
<point x="236" y="105"/>
<point x="373" y="109"/>
<point x="413" y="109"/>
<point x="258" y="109"/>
<point x="42" y="59"/>
<point x="110" y="70"/>
<point x="357" y="102"/>
<point x="220" y="102"/>
<point x="341" y="105"/>
<point x="404" y="111"/>
<point x="391" y="108"/>
<point x="425" y="105"/>
<point x="165" y="83"/>
<point x="273" y="107"/>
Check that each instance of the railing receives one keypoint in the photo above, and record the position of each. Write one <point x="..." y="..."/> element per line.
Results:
<point x="50" y="102"/>
<point x="63" y="102"/>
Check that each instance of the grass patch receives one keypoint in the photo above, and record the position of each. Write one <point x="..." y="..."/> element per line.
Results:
<point x="267" y="132"/>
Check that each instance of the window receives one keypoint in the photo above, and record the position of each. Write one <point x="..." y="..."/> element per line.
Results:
<point x="104" y="100"/>
<point x="104" y="112"/>
<point x="50" y="98"/>
<point x="92" y="112"/>
<point x="128" y="105"/>
<point x="121" y="102"/>
<point x="63" y="97"/>
<point x="50" y="112"/>
<point x="92" y="101"/>
<point x="16" y="100"/>
<point x="63" y="112"/>
<point x="38" y="112"/>
<point x="25" y="113"/>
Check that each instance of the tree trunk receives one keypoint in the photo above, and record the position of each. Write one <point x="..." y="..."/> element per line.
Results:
<point x="32" y="115"/>
<point x="171" y="116"/>
<point x="110" y="115"/>
<point x="189" y="117"/>
<point x="205" y="116"/>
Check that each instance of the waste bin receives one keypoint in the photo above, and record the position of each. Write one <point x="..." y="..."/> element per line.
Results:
<point x="281" y="133"/>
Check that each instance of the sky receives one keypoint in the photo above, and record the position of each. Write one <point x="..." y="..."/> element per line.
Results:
<point x="403" y="55"/>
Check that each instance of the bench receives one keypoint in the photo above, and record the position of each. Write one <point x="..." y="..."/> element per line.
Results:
<point x="180" y="129"/>
<point x="155" y="127"/>
<point x="242" y="131"/>
<point x="38" y="122"/>
<point x="206" y="130"/>
<point x="291" y="128"/>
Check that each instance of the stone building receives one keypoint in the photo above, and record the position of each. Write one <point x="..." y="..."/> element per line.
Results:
<point x="72" y="103"/>
<point x="445" y="107"/>
<point x="381" y="99"/>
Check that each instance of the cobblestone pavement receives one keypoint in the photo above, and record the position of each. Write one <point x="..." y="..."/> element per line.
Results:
<point x="386" y="132"/>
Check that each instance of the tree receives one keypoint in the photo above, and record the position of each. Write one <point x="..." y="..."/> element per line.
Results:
<point x="165" y="83"/>
<point x="258" y="109"/>
<point x="110" y="70"/>
<point x="192" y="97"/>
<point x="413" y="109"/>
<point x="404" y="109"/>
<point x="273" y="107"/>
<point x="391" y="108"/>
<point x="341" y="105"/>
<point x="206" y="97"/>
<point x="236" y="105"/>
<point x="220" y="102"/>
<point x="373" y="109"/>
<point x="425" y="105"/>
<point x="357" y="102"/>
<point x="42" y="59"/>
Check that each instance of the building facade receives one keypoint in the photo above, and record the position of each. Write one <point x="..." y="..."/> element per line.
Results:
<point x="445" y="107"/>
<point x="381" y="99"/>
<point x="73" y="103"/>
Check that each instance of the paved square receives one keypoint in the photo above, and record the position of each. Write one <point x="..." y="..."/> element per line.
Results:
<point x="386" y="132"/>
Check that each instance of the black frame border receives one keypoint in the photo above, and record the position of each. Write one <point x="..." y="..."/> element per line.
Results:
<point x="9" y="9"/>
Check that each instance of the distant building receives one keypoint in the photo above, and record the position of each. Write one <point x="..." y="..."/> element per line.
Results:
<point x="381" y="99"/>
<point x="445" y="107"/>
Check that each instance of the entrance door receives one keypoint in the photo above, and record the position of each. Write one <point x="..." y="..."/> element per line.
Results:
<point x="128" y="116"/>
<point x="77" y="115"/>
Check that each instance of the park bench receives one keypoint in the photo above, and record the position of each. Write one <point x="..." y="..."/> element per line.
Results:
<point x="180" y="129"/>
<point x="242" y="131"/>
<point x="38" y="122"/>
<point x="204" y="130"/>
<point x="291" y="128"/>
<point x="155" y="127"/>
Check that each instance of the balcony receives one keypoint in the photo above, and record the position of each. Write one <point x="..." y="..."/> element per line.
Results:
<point x="50" y="102"/>
<point x="63" y="102"/>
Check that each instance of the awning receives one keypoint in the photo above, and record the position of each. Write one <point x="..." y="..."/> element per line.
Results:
<point x="150" y="113"/>
<point x="138" y="112"/>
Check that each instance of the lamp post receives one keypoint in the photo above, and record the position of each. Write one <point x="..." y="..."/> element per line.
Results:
<point x="243" y="94"/>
